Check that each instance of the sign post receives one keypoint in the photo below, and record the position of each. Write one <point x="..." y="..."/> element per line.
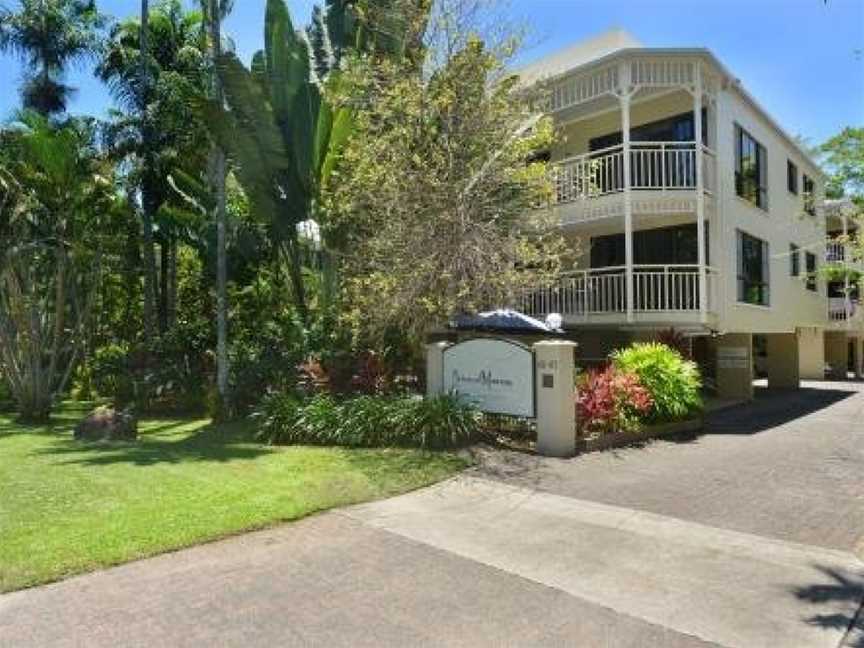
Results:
<point x="556" y="405"/>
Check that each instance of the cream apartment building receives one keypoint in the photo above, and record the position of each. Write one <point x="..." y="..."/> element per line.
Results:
<point x="689" y="207"/>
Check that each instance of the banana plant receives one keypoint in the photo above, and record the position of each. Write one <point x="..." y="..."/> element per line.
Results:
<point x="280" y="132"/>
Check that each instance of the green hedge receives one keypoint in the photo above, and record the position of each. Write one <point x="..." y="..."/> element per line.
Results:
<point x="368" y="421"/>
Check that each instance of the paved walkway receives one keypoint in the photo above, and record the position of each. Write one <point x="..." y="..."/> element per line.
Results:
<point x="743" y="537"/>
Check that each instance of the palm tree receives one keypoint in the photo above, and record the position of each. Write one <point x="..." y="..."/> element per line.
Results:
<point x="48" y="36"/>
<point x="281" y="132"/>
<point x="214" y="11"/>
<point x="155" y="67"/>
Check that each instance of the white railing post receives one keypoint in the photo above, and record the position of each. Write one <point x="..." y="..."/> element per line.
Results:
<point x="700" y="196"/>
<point x="628" y="199"/>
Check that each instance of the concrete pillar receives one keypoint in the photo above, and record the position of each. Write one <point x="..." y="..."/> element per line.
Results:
<point x="556" y="402"/>
<point x="836" y="354"/>
<point x="700" y="197"/>
<point x="784" y="366"/>
<point x="735" y="366"/>
<point x="859" y="357"/>
<point x="811" y="354"/>
<point x="435" y="368"/>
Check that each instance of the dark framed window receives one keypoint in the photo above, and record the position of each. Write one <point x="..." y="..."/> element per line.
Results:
<point x="792" y="177"/>
<point x="659" y="246"/>
<point x="753" y="270"/>
<point x="809" y="188"/>
<point x="810" y="260"/>
<point x="678" y="128"/>
<point x="751" y="169"/>
<point x="794" y="260"/>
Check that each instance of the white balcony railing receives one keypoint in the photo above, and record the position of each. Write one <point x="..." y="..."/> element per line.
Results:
<point x="654" y="166"/>
<point x="835" y="252"/>
<point x="840" y="311"/>
<point x="602" y="291"/>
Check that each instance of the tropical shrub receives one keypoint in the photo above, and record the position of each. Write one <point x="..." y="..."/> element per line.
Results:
<point x="107" y="368"/>
<point x="610" y="400"/>
<point x="367" y="421"/>
<point x="672" y="381"/>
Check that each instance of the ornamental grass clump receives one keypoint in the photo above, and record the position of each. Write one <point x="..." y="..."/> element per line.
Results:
<point x="368" y="421"/>
<point x="672" y="381"/>
<point x="610" y="400"/>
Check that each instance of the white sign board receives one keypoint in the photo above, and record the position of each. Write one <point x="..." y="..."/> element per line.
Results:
<point x="496" y="375"/>
<point x="733" y="358"/>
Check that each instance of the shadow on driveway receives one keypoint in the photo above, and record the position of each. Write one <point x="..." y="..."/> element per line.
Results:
<point x="842" y="589"/>
<point x="772" y="408"/>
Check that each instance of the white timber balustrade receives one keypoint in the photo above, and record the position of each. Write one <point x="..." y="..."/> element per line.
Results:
<point x="654" y="166"/>
<point x="602" y="291"/>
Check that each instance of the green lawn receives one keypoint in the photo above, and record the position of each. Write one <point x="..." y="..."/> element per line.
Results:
<point x="68" y="507"/>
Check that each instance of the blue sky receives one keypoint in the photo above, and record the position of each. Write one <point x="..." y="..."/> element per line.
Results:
<point x="798" y="57"/>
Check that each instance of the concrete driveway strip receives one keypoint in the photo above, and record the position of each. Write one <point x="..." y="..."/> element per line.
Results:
<point x="722" y="586"/>
<point x="325" y="581"/>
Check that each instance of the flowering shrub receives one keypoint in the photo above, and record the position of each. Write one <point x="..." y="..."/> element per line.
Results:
<point x="610" y="400"/>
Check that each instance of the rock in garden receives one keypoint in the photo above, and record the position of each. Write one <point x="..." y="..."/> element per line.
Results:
<point x="107" y="424"/>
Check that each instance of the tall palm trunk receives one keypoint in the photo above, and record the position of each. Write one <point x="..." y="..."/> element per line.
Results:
<point x="148" y="175"/>
<point x="218" y="179"/>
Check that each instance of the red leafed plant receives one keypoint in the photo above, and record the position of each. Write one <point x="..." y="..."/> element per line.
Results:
<point x="610" y="400"/>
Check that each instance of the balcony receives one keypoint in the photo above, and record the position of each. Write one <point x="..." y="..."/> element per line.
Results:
<point x="835" y="253"/>
<point x="839" y="310"/>
<point x="663" y="179"/>
<point x="661" y="294"/>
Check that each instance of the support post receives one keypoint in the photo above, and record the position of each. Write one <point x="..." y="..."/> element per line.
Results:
<point x="628" y="202"/>
<point x="435" y="368"/>
<point x="700" y="197"/>
<point x="784" y="364"/>
<point x="556" y="403"/>
<point x="847" y="298"/>
<point x="735" y="366"/>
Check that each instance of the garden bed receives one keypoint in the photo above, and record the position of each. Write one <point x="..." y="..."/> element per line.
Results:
<point x="646" y="433"/>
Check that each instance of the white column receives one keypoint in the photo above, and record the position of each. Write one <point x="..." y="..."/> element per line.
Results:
<point x="700" y="197"/>
<point x="847" y="300"/>
<point x="628" y="201"/>
<point x="435" y="368"/>
<point x="556" y="398"/>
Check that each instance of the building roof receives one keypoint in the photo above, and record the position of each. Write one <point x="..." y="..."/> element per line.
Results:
<point x="619" y="43"/>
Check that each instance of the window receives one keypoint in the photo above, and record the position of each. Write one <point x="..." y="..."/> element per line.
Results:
<point x="794" y="260"/>
<point x="811" y="272"/>
<point x="659" y="246"/>
<point x="679" y="128"/>
<point x="753" y="280"/>
<point x="751" y="170"/>
<point x="792" y="177"/>
<point x="809" y="188"/>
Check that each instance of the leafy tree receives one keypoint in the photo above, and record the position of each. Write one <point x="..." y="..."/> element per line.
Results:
<point x="50" y="246"/>
<point x="436" y="200"/>
<point x="844" y="158"/>
<point x="49" y="35"/>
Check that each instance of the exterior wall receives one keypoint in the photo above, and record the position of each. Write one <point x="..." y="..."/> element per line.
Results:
<point x="784" y="223"/>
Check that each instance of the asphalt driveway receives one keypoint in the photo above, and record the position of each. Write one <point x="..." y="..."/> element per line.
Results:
<point x="744" y="536"/>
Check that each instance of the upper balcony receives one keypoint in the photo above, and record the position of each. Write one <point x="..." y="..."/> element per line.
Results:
<point x="651" y="112"/>
<point x="663" y="179"/>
